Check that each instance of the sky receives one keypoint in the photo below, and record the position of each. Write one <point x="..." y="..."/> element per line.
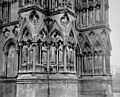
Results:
<point x="114" y="21"/>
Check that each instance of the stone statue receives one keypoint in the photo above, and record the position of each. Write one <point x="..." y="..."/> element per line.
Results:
<point x="90" y="17"/>
<point x="84" y="17"/>
<point x="24" y="54"/>
<point x="97" y="15"/>
<point x="11" y="61"/>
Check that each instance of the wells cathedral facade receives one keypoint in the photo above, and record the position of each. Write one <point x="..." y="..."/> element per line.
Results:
<point x="55" y="48"/>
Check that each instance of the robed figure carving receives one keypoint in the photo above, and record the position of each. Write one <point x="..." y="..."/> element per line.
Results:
<point x="11" y="61"/>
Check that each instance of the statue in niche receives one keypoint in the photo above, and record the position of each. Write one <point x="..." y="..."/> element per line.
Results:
<point x="53" y="56"/>
<point x="70" y="57"/>
<point x="97" y="13"/>
<point x="84" y="17"/>
<point x="96" y="63"/>
<point x="25" y="54"/>
<point x="90" y="64"/>
<point x="60" y="55"/>
<point x="106" y="16"/>
<point x="84" y="64"/>
<point x="5" y="13"/>
<point x="11" y="60"/>
<point x="100" y="64"/>
<point x="90" y="15"/>
<point x="106" y="11"/>
<point x="44" y="56"/>
<point x="30" y="56"/>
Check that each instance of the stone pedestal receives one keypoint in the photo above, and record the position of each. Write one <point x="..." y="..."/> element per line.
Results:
<point x="55" y="85"/>
<point x="7" y="88"/>
<point x="96" y="87"/>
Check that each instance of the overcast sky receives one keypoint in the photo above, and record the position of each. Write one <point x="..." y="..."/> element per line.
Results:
<point x="114" y="14"/>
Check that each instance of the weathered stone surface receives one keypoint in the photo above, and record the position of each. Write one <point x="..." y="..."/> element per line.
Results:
<point x="54" y="87"/>
<point x="7" y="89"/>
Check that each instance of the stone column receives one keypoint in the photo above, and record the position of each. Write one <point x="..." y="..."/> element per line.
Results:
<point x="96" y="64"/>
<point x="93" y="15"/>
<point x="40" y="54"/>
<point x="92" y="56"/>
<point x="57" y="59"/>
<point x="5" y="62"/>
<point x="48" y="58"/>
<point x="34" y="56"/>
<point x="104" y="65"/>
<point x="20" y="56"/>
<point x="84" y="67"/>
<point x="65" y="60"/>
<point x="82" y="63"/>
<point x="77" y="63"/>
<point x="87" y="15"/>
<point x="74" y="59"/>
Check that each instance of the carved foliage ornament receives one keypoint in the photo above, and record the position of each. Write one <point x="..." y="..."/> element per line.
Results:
<point x="6" y="33"/>
<point x="34" y="17"/>
<point x="92" y="35"/>
<point x="15" y="30"/>
<point x="98" y="4"/>
<point x="103" y="34"/>
<point x="84" y="6"/>
<point x="49" y="23"/>
<point x="65" y="19"/>
<point x="97" y="46"/>
<point x="90" y="3"/>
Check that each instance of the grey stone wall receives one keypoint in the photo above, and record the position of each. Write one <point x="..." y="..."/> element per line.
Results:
<point x="7" y="89"/>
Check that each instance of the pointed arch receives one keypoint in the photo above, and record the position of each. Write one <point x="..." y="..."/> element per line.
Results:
<point x="42" y="27"/>
<point x="98" y="46"/>
<point x="42" y="34"/>
<point x="73" y="31"/>
<point x="55" y="28"/>
<point x="10" y="58"/>
<point x="56" y="32"/>
<point x="25" y="26"/>
<point x="8" y="43"/>
<point x="103" y="34"/>
<point x="87" y="40"/>
<point x="102" y="43"/>
<point x="86" y="47"/>
<point x="91" y="34"/>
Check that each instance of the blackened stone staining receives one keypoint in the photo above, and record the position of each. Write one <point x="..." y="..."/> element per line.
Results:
<point x="55" y="48"/>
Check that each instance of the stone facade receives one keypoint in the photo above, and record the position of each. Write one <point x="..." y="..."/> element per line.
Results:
<point x="55" y="48"/>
